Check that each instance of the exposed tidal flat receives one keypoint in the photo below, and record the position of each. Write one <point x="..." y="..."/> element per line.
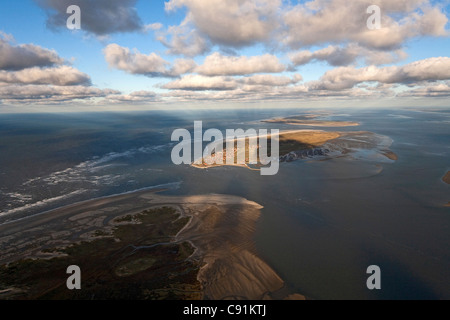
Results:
<point x="325" y="218"/>
<point x="140" y="245"/>
<point x="311" y="120"/>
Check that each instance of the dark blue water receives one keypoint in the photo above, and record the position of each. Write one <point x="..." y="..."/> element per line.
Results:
<point x="323" y="222"/>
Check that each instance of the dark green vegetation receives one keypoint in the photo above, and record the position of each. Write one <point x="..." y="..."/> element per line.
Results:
<point x="137" y="260"/>
<point x="288" y="145"/>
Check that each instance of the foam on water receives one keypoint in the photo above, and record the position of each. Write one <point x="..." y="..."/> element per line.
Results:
<point x="84" y="178"/>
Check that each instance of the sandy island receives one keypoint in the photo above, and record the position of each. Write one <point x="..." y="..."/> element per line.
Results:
<point x="291" y="140"/>
<point x="307" y="144"/>
<point x="140" y="245"/>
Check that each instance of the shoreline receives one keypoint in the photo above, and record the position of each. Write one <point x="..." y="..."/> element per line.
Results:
<point x="157" y="188"/>
<point x="219" y="228"/>
<point x="446" y="178"/>
<point x="308" y="143"/>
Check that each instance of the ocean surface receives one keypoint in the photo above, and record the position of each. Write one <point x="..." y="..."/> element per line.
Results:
<point x="323" y="222"/>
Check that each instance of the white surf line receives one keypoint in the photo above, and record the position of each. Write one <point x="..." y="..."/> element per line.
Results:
<point x="164" y="185"/>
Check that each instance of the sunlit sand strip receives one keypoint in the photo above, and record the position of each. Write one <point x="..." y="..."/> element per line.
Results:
<point x="221" y="228"/>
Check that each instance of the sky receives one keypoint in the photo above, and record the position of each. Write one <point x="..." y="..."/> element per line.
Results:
<point x="148" y="54"/>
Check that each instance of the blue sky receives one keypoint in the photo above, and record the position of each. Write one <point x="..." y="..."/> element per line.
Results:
<point x="197" y="52"/>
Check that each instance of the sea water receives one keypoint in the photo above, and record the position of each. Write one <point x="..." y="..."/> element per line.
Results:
<point x="323" y="222"/>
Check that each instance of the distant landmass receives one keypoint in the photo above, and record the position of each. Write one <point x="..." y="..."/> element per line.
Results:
<point x="306" y="120"/>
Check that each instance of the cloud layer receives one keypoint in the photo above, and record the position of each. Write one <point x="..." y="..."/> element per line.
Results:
<point x="60" y="76"/>
<point x="100" y="17"/>
<point x="42" y="94"/>
<point x="240" y="23"/>
<point x="32" y="74"/>
<point x="237" y="50"/>
<point x="234" y="23"/>
<point x="152" y="65"/>
<point x="321" y="21"/>
<point x="218" y="65"/>
<point x="17" y="57"/>
<point x="432" y="69"/>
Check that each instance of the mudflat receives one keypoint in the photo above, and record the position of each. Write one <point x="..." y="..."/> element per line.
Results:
<point x="140" y="245"/>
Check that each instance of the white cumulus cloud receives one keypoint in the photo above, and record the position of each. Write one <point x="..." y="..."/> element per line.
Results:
<point x="151" y="65"/>
<point x="217" y="64"/>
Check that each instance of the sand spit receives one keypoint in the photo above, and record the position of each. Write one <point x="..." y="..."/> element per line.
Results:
<point x="221" y="228"/>
<point x="306" y="120"/>
<point x="446" y="178"/>
<point x="222" y="235"/>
